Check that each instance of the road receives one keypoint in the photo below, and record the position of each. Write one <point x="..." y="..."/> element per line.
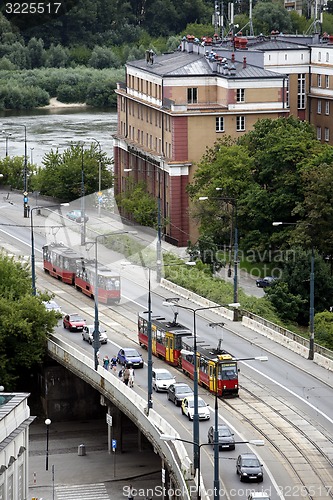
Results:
<point x="279" y="394"/>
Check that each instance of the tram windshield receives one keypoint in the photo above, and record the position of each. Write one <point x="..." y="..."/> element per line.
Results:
<point x="229" y="371"/>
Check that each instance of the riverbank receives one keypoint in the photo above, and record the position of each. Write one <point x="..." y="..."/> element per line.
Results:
<point x="54" y="103"/>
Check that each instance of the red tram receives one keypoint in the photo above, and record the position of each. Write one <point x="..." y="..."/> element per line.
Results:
<point x="173" y="342"/>
<point x="70" y="267"/>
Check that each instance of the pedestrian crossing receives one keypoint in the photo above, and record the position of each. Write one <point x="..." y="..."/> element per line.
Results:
<point x="95" y="491"/>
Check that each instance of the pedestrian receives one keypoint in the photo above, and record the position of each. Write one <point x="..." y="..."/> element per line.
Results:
<point x="131" y="376"/>
<point x="126" y="376"/>
<point x="121" y="373"/>
<point x="106" y="362"/>
<point x="114" y="362"/>
<point x="130" y="493"/>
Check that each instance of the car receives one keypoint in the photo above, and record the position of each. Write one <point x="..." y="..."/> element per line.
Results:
<point x="76" y="216"/>
<point x="249" y="468"/>
<point x="162" y="379"/>
<point x="264" y="282"/>
<point x="259" y="495"/>
<point x="88" y="334"/>
<point x="178" y="391"/>
<point x="130" y="356"/>
<point x="51" y="305"/>
<point x="187" y="408"/>
<point x="226" y="437"/>
<point x="74" y="322"/>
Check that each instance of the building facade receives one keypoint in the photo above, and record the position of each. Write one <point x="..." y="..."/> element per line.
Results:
<point x="173" y="107"/>
<point x="15" y="420"/>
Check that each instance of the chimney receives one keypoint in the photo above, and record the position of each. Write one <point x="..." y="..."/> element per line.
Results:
<point x="244" y="62"/>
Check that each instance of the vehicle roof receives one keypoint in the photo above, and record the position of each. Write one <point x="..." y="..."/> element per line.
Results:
<point x="207" y="351"/>
<point x="248" y="455"/>
<point x="161" y="370"/>
<point x="170" y="326"/>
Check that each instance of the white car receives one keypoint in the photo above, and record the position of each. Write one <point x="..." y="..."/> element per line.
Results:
<point x="51" y="305"/>
<point x="188" y="408"/>
<point x="88" y="334"/>
<point x="259" y="495"/>
<point x="162" y="379"/>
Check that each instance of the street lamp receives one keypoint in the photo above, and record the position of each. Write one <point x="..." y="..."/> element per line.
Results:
<point x="33" y="266"/>
<point x="174" y="302"/>
<point x="7" y="135"/>
<point x="167" y="437"/>
<point x="25" y="173"/>
<point x="312" y="278"/>
<point x="31" y="155"/>
<point x="83" y="215"/>
<point x="99" y="176"/>
<point x="47" y="423"/>
<point x="233" y="201"/>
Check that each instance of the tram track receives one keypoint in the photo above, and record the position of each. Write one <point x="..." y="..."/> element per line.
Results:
<point x="305" y="448"/>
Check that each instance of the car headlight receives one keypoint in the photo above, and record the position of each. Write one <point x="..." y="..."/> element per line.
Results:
<point x="244" y="473"/>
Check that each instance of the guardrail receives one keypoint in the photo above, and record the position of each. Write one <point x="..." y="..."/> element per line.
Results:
<point x="133" y="405"/>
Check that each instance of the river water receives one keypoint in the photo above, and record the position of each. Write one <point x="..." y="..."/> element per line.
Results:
<point x="53" y="128"/>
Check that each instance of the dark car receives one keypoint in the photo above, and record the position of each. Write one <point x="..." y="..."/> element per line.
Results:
<point x="249" y="468"/>
<point x="130" y="356"/>
<point x="76" y="216"/>
<point x="74" y="322"/>
<point x="264" y="282"/>
<point x="226" y="437"/>
<point x="178" y="391"/>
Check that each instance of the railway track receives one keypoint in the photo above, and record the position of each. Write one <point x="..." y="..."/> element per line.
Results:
<point x="306" y="449"/>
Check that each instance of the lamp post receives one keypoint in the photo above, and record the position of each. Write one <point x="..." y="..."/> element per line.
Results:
<point x="47" y="423"/>
<point x="25" y="173"/>
<point x="31" y="155"/>
<point x="233" y="201"/>
<point x="150" y="351"/>
<point x="167" y="437"/>
<point x="7" y="135"/>
<point x="83" y="215"/>
<point x="99" y="176"/>
<point x="33" y="266"/>
<point x="174" y="302"/>
<point x="311" y="309"/>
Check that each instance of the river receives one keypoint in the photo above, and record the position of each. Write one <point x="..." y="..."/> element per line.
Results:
<point x="53" y="128"/>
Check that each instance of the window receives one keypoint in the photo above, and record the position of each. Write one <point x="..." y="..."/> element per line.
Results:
<point x="192" y="95"/>
<point x="327" y="107"/>
<point x="319" y="106"/>
<point x="319" y="56"/>
<point x="319" y="133"/>
<point x="287" y="93"/>
<point x="327" y="134"/>
<point x="327" y="57"/>
<point x="301" y="91"/>
<point x="219" y="127"/>
<point x="327" y="81"/>
<point x="240" y="95"/>
<point x="240" y="126"/>
<point x="319" y="80"/>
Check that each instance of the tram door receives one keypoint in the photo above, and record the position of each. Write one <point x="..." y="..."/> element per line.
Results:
<point x="153" y="339"/>
<point x="212" y="377"/>
<point x="169" y="347"/>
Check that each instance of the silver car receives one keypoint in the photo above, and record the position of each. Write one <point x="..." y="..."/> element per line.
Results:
<point x="88" y="334"/>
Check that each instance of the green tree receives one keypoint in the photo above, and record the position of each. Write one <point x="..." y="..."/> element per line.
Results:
<point x="323" y="324"/>
<point x="12" y="169"/>
<point x="36" y="52"/>
<point x="103" y="57"/>
<point x="138" y="204"/>
<point x="24" y="323"/>
<point x="61" y="175"/>
<point x="269" y="16"/>
<point x="56" y="56"/>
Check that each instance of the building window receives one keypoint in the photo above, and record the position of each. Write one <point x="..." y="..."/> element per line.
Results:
<point x="327" y="107"/>
<point x="319" y="106"/>
<point x="240" y="95"/>
<point x="319" y="56"/>
<point x="302" y="57"/>
<point x="192" y="95"/>
<point x="327" y="134"/>
<point x="287" y="93"/>
<point x="240" y="126"/>
<point x="327" y="57"/>
<point x="319" y="133"/>
<point x="219" y="124"/>
<point x="285" y="57"/>
<point x="327" y="81"/>
<point x="318" y="80"/>
<point x="301" y="91"/>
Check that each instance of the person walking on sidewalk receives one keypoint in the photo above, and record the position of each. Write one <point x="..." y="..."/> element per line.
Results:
<point x="131" y="376"/>
<point x="126" y="376"/>
<point x="114" y="363"/>
<point x="106" y="362"/>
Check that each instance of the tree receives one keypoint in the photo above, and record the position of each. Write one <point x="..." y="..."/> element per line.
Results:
<point x="24" y="323"/>
<point x="269" y="16"/>
<point x="138" y="204"/>
<point x="12" y="169"/>
<point x="323" y="324"/>
<point x="62" y="172"/>
<point x="36" y="52"/>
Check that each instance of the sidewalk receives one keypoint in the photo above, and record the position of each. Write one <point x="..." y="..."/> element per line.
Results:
<point x="97" y="475"/>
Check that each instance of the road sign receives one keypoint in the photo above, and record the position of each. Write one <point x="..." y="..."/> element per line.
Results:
<point x="109" y="419"/>
<point x="25" y="193"/>
<point x="114" y="444"/>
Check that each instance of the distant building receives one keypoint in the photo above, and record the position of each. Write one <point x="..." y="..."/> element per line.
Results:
<point x="15" y="420"/>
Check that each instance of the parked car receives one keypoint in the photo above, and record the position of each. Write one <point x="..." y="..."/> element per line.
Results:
<point x="188" y="408"/>
<point x="162" y="379"/>
<point x="130" y="356"/>
<point x="74" y="322"/>
<point x="88" y="334"/>
<point x="226" y="437"/>
<point x="178" y="391"/>
<point x="76" y="216"/>
<point x="259" y="495"/>
<point x="264" y="282"/>
<point x="51" y="305"/>
<point x="249" y="468"/>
